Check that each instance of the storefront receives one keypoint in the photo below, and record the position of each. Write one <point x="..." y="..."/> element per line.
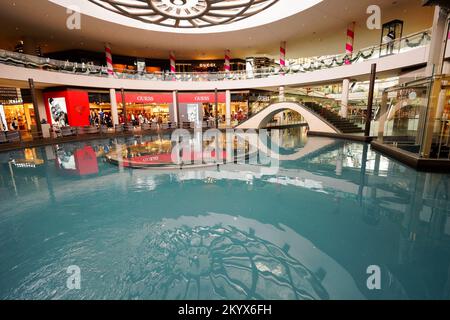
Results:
<point x="21" y="114"/>
<point x="146" y="107"/>
<point x="258" y="100"/>
<point x="198" y="107"/>
<point x="16" y="111"/>
<point x="74" y="107"/>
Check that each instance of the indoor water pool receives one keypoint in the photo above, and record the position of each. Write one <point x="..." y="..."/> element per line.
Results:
<point x="314" y="228"/>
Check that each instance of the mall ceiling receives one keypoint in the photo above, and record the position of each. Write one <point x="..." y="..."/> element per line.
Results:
<point x="44" y="23"/>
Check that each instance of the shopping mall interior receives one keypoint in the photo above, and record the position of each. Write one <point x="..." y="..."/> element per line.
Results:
<point x="224" y="150"/>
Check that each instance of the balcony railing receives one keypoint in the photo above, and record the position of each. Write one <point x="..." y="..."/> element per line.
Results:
<point x="296" y="66"/>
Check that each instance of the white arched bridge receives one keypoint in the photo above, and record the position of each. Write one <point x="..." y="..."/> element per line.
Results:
<point x="315" y="122"/>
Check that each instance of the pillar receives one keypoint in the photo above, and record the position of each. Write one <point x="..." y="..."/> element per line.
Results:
<point x="216" y="106"/>
<point x="29" y="46"/>
<point x="434" y="66"/>
<point x="281" y="94"/>
<point x="350" y="42"/>
<point x="383" y="116"/>
<point x="41" y="105"/>
<point x="440" y="109"/>
<point x="340" y="161"/>
<point x="173" y="65"/>
<point x="438" y="40"/>
<point x="429" y="125"/>
<point x="35" y="106"/>
<point x="344" y="98"/>
<point x="373" y="74"/>
<point x="175" y="107"/>
<point x="124" y="106"/>
<point x="283" y="54"/>
<point x="227" y="66"/>
<point x="114" y="112"/>
<point x="228" y="108"/>
<point x="109" y="61"/>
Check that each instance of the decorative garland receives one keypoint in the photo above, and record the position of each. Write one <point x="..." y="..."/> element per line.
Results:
<point x="70" y="67"/>
<point x="410" y="44"/>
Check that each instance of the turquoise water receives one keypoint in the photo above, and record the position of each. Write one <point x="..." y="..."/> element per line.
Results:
<point x="310" y="230"/>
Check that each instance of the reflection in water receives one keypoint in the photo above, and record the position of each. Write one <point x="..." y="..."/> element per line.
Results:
<point x="216" y="262"/>
<point x="152" y="234"/>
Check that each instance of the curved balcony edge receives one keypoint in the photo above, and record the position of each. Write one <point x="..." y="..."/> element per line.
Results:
<point x="18" y="76"/>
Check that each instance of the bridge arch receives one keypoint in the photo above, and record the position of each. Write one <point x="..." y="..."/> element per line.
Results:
<point x="261" y="119"/>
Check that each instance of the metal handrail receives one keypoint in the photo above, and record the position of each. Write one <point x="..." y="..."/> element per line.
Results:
<point x="313" y="64"/>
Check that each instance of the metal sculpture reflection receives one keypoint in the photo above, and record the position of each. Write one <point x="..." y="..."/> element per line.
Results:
<point x="216" y="262"/>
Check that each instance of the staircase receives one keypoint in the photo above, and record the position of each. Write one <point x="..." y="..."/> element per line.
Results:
<point x="343" y="125"/>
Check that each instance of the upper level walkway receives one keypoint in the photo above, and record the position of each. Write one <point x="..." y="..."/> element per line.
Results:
<point x="16" y="69"/>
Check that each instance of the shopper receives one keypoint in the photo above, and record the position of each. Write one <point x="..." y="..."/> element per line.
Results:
<point x="14" y="125"/>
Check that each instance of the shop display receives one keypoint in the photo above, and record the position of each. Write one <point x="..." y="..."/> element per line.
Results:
<point x="3" y="124"/>
<point x="58" y="111"/>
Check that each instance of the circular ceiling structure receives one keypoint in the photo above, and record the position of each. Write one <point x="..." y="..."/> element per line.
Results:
<point x="186" y="13"/>
<point x="189" y="16"/>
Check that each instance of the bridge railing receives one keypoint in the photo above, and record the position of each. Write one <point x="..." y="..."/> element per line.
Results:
<point x="296" y="66"/>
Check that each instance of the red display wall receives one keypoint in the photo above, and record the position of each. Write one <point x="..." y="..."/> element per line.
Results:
<point x="77" y="103"/>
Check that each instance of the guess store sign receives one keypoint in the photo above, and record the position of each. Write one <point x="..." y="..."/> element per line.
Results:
<point x="201" y="97"/>
<point x="144" y="98"/>
<point x="167" y="98"/>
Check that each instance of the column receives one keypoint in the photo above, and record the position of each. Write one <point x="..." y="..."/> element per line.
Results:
<point x="124" y="106"/>
<point x="429" y="125"/>
<point x="283" y="54"/>
<point x="173" y="65"/>
<point x="35" y="107"/>
<point x="350" y="42"/>
<point x="228" y="108"/>
<point x="29" y="46"/>
<point x="41" y="105"/>
<point x="109" y="61"/>
<point x="216" y="106"/>
<point x="434" y="66"/>
<point x="438" y="36"/>
<point x="114" y="112"/>
<point x="383" y="116"/>
<point x="440" y="109"/>
<point x="227" y="66"/>
<point x="281" y="94"/>
<point x="373" y="74"/>
<point x="344" y="98"/>
<point x="340" y="161"/>
<point x="175" y="108"/>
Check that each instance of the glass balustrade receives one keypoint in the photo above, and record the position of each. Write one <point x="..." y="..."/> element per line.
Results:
<point x="415" y="117"/>
<point x="296" y="66"/>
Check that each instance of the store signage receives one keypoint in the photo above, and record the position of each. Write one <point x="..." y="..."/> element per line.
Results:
<point x="145" y="98"/>
<point x="138" y="97"/>
<point x="201" y="97"/>
<point x="207" y="65"/>
<point x="263" y="99"/>
<point x="167" y="98"/>
<point x="404" y="94"/>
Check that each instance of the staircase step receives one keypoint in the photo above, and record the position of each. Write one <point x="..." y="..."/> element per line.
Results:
<point x="342" y="124"/>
